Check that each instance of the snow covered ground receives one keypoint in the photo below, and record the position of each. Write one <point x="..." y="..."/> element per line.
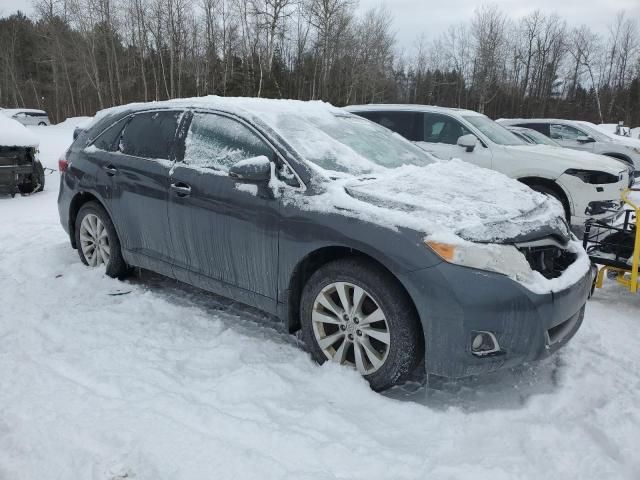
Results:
<point x="152" y="379"/>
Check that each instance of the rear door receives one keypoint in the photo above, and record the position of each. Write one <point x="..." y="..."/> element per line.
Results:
<point x="135" y="175"/>
<point x="223" y="229"/>
<point x="440" y="136"/>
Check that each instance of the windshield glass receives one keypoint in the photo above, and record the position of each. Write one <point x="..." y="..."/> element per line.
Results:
<point x="539" y="138"/>
<point x="349" y="144"/>
<point x="494" y="131"/>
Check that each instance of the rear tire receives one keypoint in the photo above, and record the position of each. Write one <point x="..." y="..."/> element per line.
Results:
<point x="389" y="350"/>
<point x="97" y="240"/>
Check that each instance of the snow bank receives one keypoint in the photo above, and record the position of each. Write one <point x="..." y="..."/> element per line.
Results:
<point x="610" y="128"/>
<point x="14" y="134"/>
<point x="73" y="122"/>
<point x="54" y="141"/>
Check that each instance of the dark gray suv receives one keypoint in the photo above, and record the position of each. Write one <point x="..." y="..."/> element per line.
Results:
<point x="382" y="256"/>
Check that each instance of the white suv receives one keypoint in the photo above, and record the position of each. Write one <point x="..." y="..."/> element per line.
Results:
<point x="27" y="116"/>
<point x="583" y="136"/>
<point x="588" y="187"/>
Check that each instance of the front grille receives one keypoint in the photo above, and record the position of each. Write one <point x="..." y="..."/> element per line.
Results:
<point x="549" y="260"/>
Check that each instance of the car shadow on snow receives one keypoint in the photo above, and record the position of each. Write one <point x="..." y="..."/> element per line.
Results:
<point x="509" y="388"/>
<point x="244" y="319"/>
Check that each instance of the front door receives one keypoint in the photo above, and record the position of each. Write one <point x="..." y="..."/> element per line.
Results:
<point x="222" y="228"/>
<point x="440" y="137"/>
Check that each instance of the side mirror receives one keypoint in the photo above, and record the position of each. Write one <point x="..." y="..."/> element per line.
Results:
<point x="585" y="139"/>
<point x="255" y="169"/>
<point x="77" y="131"/>
<point x="468" y="142"/>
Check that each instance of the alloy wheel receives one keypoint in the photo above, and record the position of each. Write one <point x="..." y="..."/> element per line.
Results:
<point x="94" y="241"/>
<point x="350" y="327"/>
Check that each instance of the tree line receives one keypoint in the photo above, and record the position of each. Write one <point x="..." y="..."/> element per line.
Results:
<point x="74" y="57"/>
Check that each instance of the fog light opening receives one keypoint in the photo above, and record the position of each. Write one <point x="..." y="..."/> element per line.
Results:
<point x="484" y="343"/>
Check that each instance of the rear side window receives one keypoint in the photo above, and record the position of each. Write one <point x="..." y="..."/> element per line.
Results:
<point x="150" y="134"/>
<point x="407" y="124"/>
<point x="217" y="142"/>
<point x="543" y="128"/>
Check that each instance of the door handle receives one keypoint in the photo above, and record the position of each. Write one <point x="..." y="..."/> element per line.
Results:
<point x="181" y="189"/>
<point x="110" y="170"/>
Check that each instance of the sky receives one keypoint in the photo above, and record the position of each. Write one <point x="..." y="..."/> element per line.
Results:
<point x="431" y="18"/>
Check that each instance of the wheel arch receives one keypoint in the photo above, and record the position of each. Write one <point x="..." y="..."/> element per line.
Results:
<point x="316" y="259"/>
<point x="78" y="200"/>
<point x="531" y="182"/>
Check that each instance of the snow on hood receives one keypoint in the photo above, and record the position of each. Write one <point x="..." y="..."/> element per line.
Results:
<point x="14" y="134"/>
<point x="445" y="199"/>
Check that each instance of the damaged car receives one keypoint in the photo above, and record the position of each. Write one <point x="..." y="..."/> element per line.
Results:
<point x="20" y="170"/>
<point x="387" y="260"/>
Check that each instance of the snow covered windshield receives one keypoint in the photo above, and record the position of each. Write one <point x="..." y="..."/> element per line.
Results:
<point x="494" y="131"/>
<point x="349" y="144"/>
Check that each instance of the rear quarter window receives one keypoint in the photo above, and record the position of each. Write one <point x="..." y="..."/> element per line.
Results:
<point x="109" y="140"/>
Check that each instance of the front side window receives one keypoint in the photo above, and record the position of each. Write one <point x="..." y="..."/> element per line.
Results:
<point x="150" y="134"/>
<point x="440" y="128"/>
<point x="565" y="132"/>
<point x="215" y="141"/>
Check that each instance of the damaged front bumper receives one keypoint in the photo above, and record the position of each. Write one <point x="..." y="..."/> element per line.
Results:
<point x="457" y="304"/>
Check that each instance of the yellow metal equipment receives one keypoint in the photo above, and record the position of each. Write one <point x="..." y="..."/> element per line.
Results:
<point x="616" y="246"/>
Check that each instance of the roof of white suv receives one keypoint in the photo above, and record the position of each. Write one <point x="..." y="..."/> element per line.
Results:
<point x="535" y="120"/>
<point x="13" y="111"/>
<point x="408" y="107"/>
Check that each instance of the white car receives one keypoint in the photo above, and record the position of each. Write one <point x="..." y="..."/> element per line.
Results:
<point x="27" y="116"/>
<point x="583" y="136"/>
<point x="588" y="186"/>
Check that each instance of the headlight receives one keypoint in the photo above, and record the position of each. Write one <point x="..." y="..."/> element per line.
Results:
<point x="505" y="259"/>
<point x="593" y="177"/>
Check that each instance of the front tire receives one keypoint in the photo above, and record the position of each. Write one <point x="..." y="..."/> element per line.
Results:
<point x="354" y="313"/>
<point x="97" y="240"/>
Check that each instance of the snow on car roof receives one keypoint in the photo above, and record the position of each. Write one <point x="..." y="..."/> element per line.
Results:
<point x="14" y="134"/>
<point x="13" y="111"/>
<point x="409" y="107"/>
<point x="535" y="120"/>
<point x="305" y="125"/>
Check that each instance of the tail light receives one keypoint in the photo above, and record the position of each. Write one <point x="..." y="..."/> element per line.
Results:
<point x="63" y="164"/>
